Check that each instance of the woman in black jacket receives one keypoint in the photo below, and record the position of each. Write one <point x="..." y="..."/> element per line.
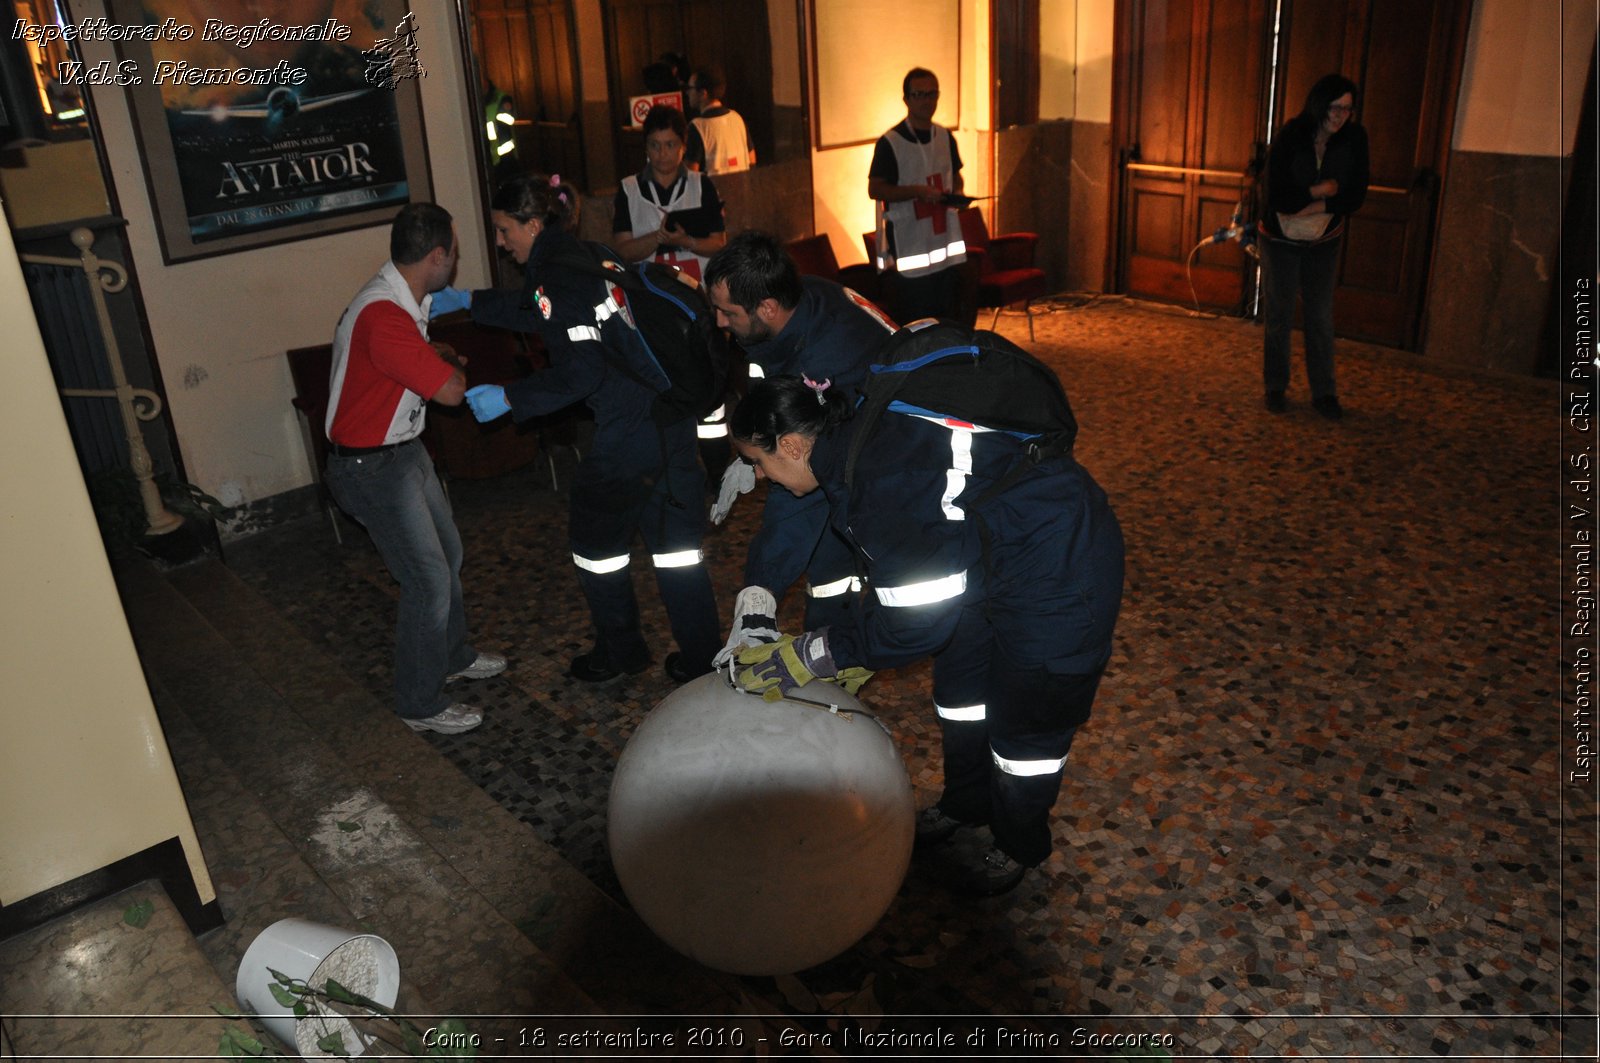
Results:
<point x="1316" y="178"/>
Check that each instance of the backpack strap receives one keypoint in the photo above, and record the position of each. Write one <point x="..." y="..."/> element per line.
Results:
<point x="871" y="407"/>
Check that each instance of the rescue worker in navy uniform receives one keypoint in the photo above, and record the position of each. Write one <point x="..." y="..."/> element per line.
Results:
<point x="637" y="479"/>
<point x="1019" y="626"/>
<point x="788" y="324"/>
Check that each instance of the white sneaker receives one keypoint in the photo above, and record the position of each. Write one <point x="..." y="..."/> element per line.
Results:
<point x="486" y="665"/>
<point x="452" y="721"/>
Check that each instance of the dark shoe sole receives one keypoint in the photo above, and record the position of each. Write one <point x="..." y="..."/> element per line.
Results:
<point x="583" y="670"/>
<point x="678" y="672"/>
<point x="1277" y="402"/>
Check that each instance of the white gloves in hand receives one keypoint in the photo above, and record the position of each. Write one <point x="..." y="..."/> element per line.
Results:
<point x="739" y="478"/>
<point x="755" y="620"/>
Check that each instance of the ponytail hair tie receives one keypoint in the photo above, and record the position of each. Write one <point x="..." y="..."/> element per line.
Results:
<point x="555" y="180"/>
<point x="819" y="388"/>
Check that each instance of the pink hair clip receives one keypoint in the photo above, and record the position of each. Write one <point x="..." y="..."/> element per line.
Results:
<point x="555" y="180"/>
<point x="819" y="388"/>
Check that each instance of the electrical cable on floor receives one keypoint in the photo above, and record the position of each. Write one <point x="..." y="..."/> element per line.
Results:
<point x="1236" y="229"/>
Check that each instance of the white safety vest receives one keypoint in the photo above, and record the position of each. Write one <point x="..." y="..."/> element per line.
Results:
<point x="727" y="142"/>
<point x="927" y="236"/>
<point x="645" y="214"/>
<point x="410" y="413"/>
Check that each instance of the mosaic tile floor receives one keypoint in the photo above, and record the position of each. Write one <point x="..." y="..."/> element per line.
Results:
<point x="1318" y="811"/>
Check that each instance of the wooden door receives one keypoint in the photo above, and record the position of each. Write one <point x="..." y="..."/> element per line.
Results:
<point x="1191" y="83"/>
<point x="526" y="49"/>
<point x="1192" y="80"/>
<point x="1406" y="57"/>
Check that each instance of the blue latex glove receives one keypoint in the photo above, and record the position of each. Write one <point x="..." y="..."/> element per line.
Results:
<point x="448" y="301"/>
<point x="488" y="401"/>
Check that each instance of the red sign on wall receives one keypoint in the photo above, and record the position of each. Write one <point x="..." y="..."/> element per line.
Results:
<point x="639" y="106"/>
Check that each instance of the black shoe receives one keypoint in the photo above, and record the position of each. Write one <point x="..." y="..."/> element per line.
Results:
<point x="680" y="672"/>
<point x="1277" y="402"/>
<point x="994" y="873"/>
<point x="596" y="667"/>
<point x="934" y="827"/>
<point x="1329" y="407"/>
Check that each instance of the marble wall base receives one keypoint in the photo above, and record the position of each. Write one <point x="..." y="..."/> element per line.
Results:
<point x="1495" y="260"/>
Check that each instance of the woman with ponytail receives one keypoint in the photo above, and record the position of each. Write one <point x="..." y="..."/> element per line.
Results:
<point x="1013" y="592"/>
<point x="638" y="478"/>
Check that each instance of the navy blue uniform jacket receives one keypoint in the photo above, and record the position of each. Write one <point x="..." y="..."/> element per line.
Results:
<point x="834" y="335"/>
<point x="575" y="314"/>
<point x="1051" y="583"/>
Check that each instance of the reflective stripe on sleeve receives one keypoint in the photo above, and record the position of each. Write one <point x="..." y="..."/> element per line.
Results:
<point x="706" y="430"/>
<point x="962" y="713"/>
<point x="1028" y="767"/>
<point x="679" y="559"/>
<point x="578" y="333"/>
<point x="834" y="589"/>
<point x="756" y="372"/>
<point x="925" y="593"/>
<point x="601" y="565"/>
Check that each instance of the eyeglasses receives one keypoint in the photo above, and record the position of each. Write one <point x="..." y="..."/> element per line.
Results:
<point x="1340" y="108"/>
<point x="923" y="94"/>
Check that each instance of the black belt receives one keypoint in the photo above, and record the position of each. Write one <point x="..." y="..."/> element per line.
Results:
<point x="353" y="452"/>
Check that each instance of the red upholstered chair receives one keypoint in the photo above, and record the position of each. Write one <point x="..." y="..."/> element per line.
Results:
<point x="1006" y="273"/>
<point x="813" y="255"/>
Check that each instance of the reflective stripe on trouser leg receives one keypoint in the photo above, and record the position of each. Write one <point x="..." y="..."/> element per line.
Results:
<point x="1033" y="717"/>
<point x="673" y="534"/>
<point x="834" y="588"/>
<point x="601" y="525"/>
<point x="715" y="424"/>
<point x="1021" y="803"/>
<point x="960" y="682"/>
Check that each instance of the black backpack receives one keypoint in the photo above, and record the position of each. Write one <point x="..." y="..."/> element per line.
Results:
<point x="974" y="376"/>
<point x="672" y="317"/>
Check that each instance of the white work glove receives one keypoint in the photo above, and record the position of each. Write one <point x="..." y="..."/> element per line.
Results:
<point x="755" y="621"/>
<point x="739" y="478"/>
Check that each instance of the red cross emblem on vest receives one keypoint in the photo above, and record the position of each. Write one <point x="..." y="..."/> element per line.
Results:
<point x="937" y="211"/>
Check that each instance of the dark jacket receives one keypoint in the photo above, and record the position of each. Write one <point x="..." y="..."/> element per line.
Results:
<point x="1049" y="578"/>
<point x="833" y="335"/>
<point x="579" y="317"/>
<point x="1292" y="169"/>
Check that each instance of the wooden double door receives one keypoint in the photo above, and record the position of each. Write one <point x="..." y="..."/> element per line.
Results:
<point x="1202" y="85"/>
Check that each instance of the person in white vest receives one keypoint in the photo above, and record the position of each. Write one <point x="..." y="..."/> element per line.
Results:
<point x="666" y="211"/>
<point x="672" y="214"/>
<point x="915" y="167"/>
<point x="718" y="140"/>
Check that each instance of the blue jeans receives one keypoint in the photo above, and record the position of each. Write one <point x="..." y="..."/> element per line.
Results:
<point x="1309" y="271"/>
<point x="397" y="496"/>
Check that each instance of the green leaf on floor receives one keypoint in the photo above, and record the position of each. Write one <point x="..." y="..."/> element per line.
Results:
<point x="346" y="826"/>
<point x="138" y="914"/>
<point x="237" y="1043"/>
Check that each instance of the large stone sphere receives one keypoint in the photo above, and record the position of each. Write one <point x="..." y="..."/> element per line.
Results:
<point x="760" y="837"/>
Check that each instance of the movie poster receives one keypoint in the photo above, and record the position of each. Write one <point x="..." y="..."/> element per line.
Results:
<point x="268" y="121"/>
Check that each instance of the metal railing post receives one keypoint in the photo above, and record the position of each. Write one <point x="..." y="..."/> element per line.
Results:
<point x="107" y="276"/>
